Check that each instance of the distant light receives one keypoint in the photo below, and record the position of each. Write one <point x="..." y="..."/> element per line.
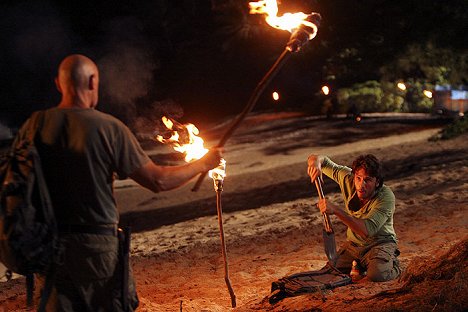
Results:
<point x="401" y="86"/>
<point x="461" y="114"/>
<point x="326" y="90"/>
<point x="275" y="96"/>
<point x="428" y="93"/>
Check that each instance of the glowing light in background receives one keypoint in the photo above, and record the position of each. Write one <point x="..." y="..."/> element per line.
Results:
<point x="326" y="90"/>
<point x="401" y="86"/>
<point x="275" y="95"/>
<point x="427" y="93"/>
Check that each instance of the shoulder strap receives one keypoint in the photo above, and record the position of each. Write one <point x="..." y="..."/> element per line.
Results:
<point x="36" y="125"/>
<point x="47" y="289"/>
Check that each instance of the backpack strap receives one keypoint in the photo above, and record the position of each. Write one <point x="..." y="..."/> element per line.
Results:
<point x="38" y="120"/>
<point x="32" y="133"/>
<point x="29" y="289"/>
<point x="30" y="128"/>
<point x="47" y="289"/>
<point x="37" y="125"/>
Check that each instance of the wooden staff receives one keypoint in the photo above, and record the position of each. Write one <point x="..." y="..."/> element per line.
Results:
<point x="326" y="218"/>
<point x="219" y="188"/>
<point x="298" y="39"/>
<point x="248" y="108"/>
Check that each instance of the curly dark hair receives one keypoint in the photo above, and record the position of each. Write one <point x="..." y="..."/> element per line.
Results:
<point x="371" y="165"/>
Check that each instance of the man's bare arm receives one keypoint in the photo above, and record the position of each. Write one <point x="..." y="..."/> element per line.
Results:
<point x="358" y="226"/>
<point x="162" y="178"/>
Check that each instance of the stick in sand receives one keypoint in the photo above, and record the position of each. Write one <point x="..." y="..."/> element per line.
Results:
<point x="219" y="188"/>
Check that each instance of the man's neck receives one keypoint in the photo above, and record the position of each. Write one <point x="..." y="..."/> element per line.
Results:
<point x="362" y="202"/>
<point x="72" y="103"/>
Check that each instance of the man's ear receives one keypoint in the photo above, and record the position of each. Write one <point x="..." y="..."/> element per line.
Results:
<point x="57" y="85"/>
<point x="93" y="82"/>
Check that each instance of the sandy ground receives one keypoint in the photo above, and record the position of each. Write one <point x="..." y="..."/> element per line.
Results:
<point x="272" y="227"/>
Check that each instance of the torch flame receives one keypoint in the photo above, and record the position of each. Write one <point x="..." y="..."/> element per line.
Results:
<point x="288" y="21"/>
<point x="184" y="139"/>
<point x="218" y="173"/>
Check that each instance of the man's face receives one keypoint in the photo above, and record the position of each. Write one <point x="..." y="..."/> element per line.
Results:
<point x="365" y="184"/>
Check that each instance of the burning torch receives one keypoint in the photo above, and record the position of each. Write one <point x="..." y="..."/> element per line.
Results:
<point x="218" y="175"/>
<point x="303" y="28"/>
<point x="184" y="138"/>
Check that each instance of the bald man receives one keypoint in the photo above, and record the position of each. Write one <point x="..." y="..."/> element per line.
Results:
<point x="82" y="150"/>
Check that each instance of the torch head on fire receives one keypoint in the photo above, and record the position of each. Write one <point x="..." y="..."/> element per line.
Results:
<point x="184" y="139"/>
<point x="303" y="27"/>
<point x="304" y="33"/>
<point x="218" y="174"/>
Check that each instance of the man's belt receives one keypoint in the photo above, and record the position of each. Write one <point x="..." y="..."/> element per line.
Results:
<point x="108" y="229"/>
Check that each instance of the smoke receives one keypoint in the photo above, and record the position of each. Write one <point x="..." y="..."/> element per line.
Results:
<point x="149" y="123"/>
<point x="126" y="43"/>
<point x="37" y="35"/>
<point x="127" y="67"/>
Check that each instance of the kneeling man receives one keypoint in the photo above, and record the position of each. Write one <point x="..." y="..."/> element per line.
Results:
<point x="368" y="214"/>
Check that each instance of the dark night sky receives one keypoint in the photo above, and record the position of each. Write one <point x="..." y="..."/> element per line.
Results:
<point x="202" y="57"/>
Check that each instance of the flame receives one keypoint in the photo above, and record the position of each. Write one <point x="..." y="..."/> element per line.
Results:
<point x="218" y="173"/>
<point x="184" y="139"/>
<point x="288" y="21"/>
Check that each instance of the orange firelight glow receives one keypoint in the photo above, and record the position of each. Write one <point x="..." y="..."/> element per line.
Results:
<point x="184" y="139"/>
<point x="288" y="21"/>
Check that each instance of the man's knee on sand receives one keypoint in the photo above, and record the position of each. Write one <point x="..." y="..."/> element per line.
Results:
<point x="382" y="263"/>
<point x="382" y="270"/>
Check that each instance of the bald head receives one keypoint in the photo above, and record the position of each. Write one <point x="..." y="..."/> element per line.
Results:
<point x="78" y="80"/>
